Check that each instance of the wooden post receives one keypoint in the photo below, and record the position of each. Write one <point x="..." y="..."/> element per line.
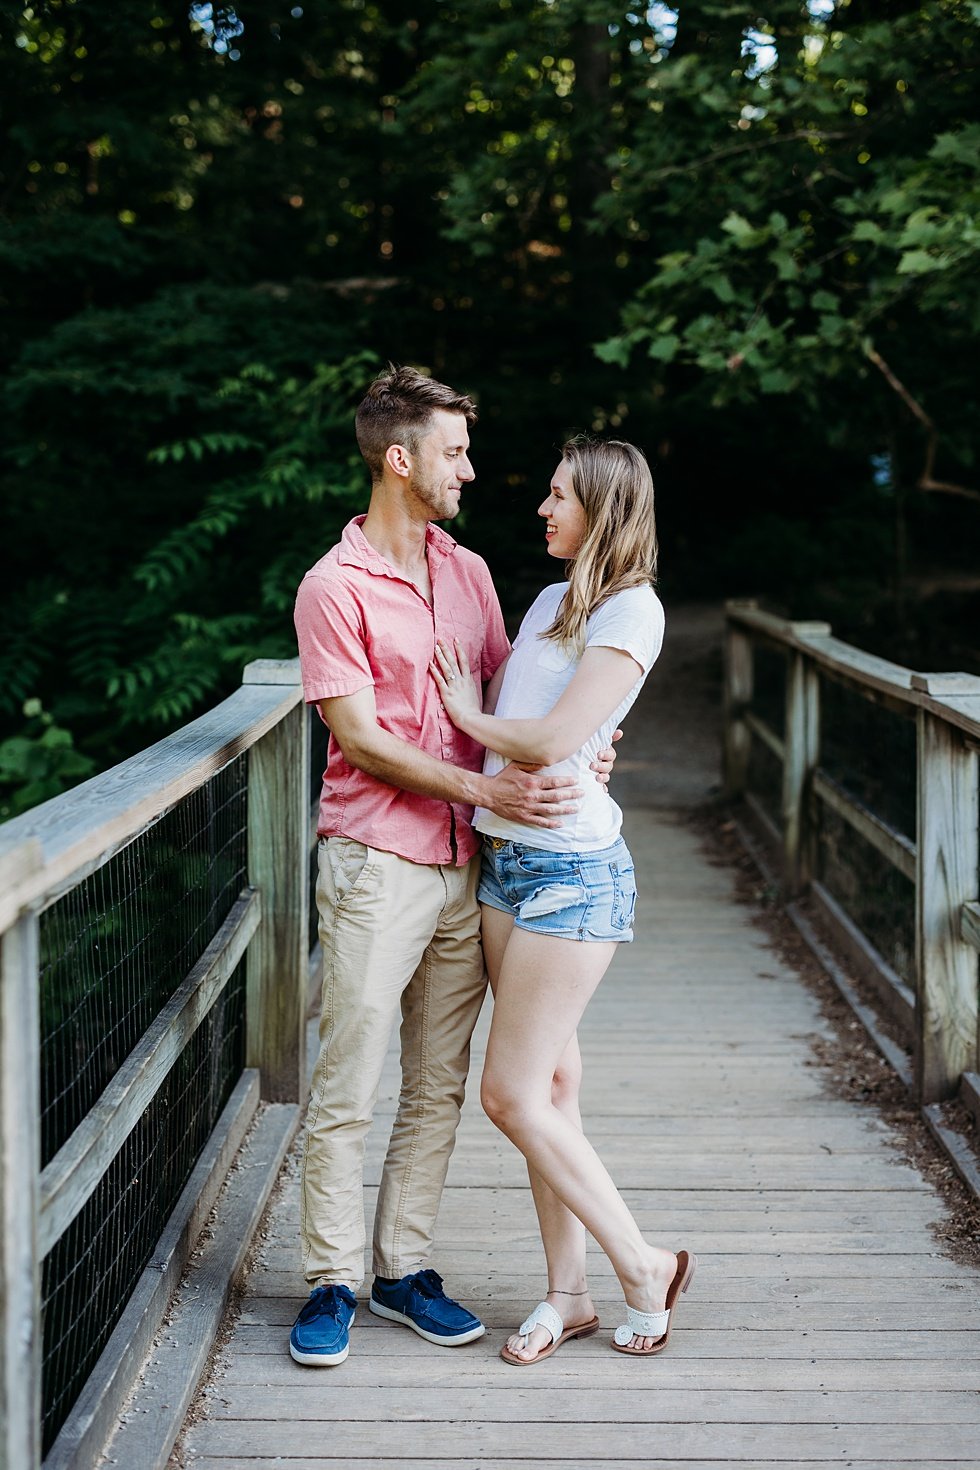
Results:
<point x="20" y="1167"/>
<point x="801" y="746"/>
<point x="946" y="878"/>
<point x="278" y="865"/>
<point x="737" y="698"/>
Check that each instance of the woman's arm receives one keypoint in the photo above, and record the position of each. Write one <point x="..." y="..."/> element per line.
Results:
<point x="492" y="692"/>
<point x="515" y="795"/>
<point x="601" y="682"/>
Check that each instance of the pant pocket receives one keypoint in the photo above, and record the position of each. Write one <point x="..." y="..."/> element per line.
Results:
<point x="349" y="864"/>
<point x="624" y="895"/>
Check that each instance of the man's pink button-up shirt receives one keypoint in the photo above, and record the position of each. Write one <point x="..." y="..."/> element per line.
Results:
<point x="360" y="623"/>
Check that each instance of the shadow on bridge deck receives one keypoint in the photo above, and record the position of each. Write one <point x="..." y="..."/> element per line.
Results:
<point x="824" y="1325"/>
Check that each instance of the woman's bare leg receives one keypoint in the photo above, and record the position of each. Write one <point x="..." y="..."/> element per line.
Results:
<point x="562" y="1234"/>
<point x="543" y="985"/>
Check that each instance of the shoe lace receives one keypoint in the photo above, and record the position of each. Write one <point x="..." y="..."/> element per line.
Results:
<point x="326" y="1301"/>
<point x="429" y="1283"/>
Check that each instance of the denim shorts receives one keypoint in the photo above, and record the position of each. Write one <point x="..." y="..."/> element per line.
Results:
<point x="569" y="895"/>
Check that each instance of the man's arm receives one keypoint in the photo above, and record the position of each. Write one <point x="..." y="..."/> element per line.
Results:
<point x="518" y="796"/>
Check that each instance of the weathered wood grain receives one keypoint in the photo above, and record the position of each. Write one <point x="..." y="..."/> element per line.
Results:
<point x="364" y="1370"/>
<point x="824" y="1325"/>
<point x="277" y="964"/>
<point x="20" y="1156"/>
<point x="946" y="879"/>
<point x="534" y="1443"/>
<point x="638" y="1460"/>
<point x="622" y="1405"/>
<point x="737" y="698"/>
<point x="147" y="1430"/>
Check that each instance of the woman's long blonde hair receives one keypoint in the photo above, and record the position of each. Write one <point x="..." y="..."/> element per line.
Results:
<point x="612" y="481"/>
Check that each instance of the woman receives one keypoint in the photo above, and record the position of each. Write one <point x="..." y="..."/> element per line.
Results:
<point x="557" y="902"/>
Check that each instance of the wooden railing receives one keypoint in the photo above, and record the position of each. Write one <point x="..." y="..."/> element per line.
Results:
<point x="44" y="855"/>
<point x="52" y="849"/>
<point x="934" y="1007"/>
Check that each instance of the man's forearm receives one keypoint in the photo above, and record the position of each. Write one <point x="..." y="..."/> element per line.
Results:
<point x="387" y="758"/>
<point x="515" y="794"/>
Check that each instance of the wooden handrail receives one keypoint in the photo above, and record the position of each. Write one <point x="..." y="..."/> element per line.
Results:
<point x="954" y="697"/>
<point x="78" y="832"/>
<point x="941" y="863"/>
<point x="43" y="855"/>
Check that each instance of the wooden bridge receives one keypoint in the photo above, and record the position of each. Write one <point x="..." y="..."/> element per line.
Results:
<point x="827" y="1323"/>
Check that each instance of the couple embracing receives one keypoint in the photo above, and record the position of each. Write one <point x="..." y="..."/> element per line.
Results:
<point x="465" y="833"/>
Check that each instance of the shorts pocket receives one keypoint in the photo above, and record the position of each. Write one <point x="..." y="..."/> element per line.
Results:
<point x="624" y="895"/>
<point x="554" y="865"/>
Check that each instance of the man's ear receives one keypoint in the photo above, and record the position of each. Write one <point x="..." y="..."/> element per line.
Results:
<point x="398" y="459"/>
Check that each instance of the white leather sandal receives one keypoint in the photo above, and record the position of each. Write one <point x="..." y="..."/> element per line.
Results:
<point x="655" y="1324"/>
<point x="544" y="1315"/>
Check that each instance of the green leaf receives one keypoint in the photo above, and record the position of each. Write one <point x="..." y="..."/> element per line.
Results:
<point x="664" y="348"/>
<point x="615" y="350"/>
<point x="919" y="263"/>
<point x="962" y="146"/>
<point x="867" y="229"/>
<point x="744" y="234"/>
<point x="786" y="267"/>
<point x="722" y="287"/>
<point x="777" y="380"/>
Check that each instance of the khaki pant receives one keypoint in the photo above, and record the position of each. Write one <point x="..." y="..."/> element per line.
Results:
<point x="396" y="937"/>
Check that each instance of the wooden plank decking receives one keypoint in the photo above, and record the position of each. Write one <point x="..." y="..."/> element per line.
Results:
<point x="825" y="1325"/>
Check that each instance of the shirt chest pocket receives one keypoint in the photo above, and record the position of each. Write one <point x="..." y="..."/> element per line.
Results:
<point x="472" y="634"/>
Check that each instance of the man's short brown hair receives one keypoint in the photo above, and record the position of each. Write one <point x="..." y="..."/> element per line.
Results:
<point x="396" y="410"/>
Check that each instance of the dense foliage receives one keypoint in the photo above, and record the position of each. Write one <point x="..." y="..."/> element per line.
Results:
<point x="746" y="239"/>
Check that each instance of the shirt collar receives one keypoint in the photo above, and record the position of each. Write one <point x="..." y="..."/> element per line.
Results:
<point x="357" y="551"/>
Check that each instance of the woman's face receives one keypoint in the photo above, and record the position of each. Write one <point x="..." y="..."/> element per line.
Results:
<point x="564" y="514"/>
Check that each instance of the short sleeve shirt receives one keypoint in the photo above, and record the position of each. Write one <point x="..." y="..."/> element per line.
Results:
<point x="537" y="675"/>
<point x="359" y="623"/>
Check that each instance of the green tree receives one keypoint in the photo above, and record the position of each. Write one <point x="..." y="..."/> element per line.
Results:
<point x="823" y="246"/>
<point x="747" y="240"/>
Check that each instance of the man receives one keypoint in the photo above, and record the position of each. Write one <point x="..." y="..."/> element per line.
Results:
<point x="399" y="921"/>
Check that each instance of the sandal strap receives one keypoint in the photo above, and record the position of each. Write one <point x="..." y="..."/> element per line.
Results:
<point x="544" y="1315"/>
<point x="641" y="1324"/>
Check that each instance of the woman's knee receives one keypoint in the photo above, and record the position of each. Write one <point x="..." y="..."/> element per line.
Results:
<point x="566" y="1083"/>
<point x="503" y="1104"/>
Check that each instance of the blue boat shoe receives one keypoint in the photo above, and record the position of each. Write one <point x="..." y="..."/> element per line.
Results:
<point x="420" y="1302"/>
<point x="321" y="1333"/>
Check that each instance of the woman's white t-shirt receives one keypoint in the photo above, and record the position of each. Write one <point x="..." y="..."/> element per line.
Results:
<point x="537" y="674"/>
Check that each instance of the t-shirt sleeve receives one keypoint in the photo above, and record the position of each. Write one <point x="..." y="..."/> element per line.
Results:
<point x="633" y="621"/>
<point x="332" y="657"/>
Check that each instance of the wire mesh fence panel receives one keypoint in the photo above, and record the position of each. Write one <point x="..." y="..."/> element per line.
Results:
<point x="90" y="1273"/>
<point x="769" y="686"/>
<point x="113" y="951"/>
<point x="876" y="896"/>
<point x="765" y="780"/>
<point x="116" y="947"/>
<point x="870" y="750"/>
